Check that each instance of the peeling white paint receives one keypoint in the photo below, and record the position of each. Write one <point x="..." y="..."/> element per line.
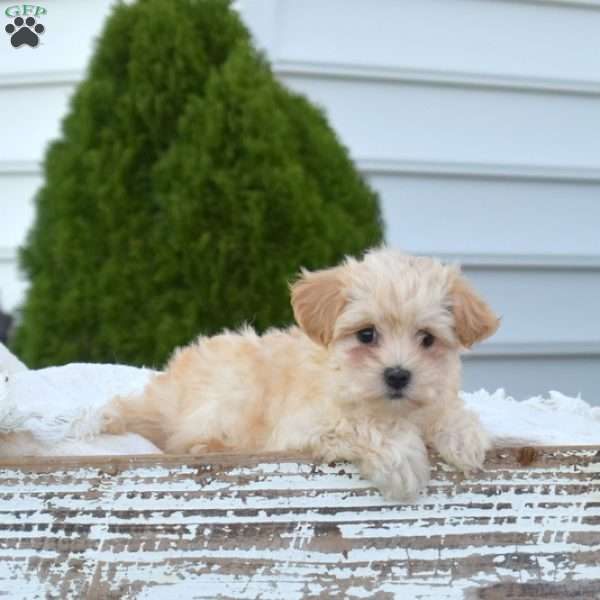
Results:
<point x="189" y="516"/>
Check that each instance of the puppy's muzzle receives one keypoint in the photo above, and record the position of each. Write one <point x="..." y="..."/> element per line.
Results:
<point x="396" y="379"/>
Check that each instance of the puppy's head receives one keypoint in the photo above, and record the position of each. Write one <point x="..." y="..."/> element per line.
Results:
<point x="393" y="324"/>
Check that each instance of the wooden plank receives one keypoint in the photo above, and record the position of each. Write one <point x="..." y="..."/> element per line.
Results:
<point x="232" y="526"/>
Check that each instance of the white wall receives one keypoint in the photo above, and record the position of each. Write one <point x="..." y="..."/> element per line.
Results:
<point x="477" y="120"/>
<point x="35" y="84"/>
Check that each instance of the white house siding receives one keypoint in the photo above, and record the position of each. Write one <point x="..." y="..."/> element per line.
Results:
<point x="477" y="120"/>
<point x="35" y="85"/>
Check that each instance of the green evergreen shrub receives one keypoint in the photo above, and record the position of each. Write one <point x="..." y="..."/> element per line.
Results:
<point x="187" y="189"/>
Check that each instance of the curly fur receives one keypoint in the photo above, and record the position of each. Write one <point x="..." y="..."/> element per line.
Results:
<point x="316" y="388"/>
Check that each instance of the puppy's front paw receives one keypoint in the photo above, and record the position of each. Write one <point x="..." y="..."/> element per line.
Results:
<point x="463" y="443"/>
<point x="408" y="479"/>
<point x="403" y="473"/>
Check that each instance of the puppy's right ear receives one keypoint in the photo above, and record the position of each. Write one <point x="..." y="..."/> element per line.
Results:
<point x="475" y="320"/>
<point x="318" y="299"/>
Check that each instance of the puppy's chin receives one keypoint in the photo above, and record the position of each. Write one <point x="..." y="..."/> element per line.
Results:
<point x="395" y="400"/>
<point x="408" y="399"/>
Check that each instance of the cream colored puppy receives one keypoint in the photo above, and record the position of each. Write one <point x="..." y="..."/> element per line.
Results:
<point x="372" y="375"/>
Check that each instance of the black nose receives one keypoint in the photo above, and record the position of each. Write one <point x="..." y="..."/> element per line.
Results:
<point x="396" y="378"/>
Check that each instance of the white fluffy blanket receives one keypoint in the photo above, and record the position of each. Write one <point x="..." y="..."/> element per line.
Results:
<point x="57" y="411"/>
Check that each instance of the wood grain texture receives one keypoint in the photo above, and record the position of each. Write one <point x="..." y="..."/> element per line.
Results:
<point x="226" y="526"/>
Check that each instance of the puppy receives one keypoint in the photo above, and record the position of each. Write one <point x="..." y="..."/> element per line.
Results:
<point x="371" y="375"/>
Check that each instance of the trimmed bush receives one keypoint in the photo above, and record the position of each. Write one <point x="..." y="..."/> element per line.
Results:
<point x="187" y="189"/>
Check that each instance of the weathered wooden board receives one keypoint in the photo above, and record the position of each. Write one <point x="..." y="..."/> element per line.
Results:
<point x="272" y="527"/>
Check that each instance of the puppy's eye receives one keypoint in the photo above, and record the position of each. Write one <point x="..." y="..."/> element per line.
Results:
<point x="368" y="335"/>
<point x="427" y="339"/>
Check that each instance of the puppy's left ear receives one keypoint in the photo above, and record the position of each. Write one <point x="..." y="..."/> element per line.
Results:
<point x="318" y="299"/>
<point x="474" y="319"/>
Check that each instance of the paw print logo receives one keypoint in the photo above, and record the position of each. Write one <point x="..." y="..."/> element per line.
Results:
<point x="24" y="32"/>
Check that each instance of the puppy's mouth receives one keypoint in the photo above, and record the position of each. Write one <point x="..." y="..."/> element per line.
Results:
<point x="395" y="395"/>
